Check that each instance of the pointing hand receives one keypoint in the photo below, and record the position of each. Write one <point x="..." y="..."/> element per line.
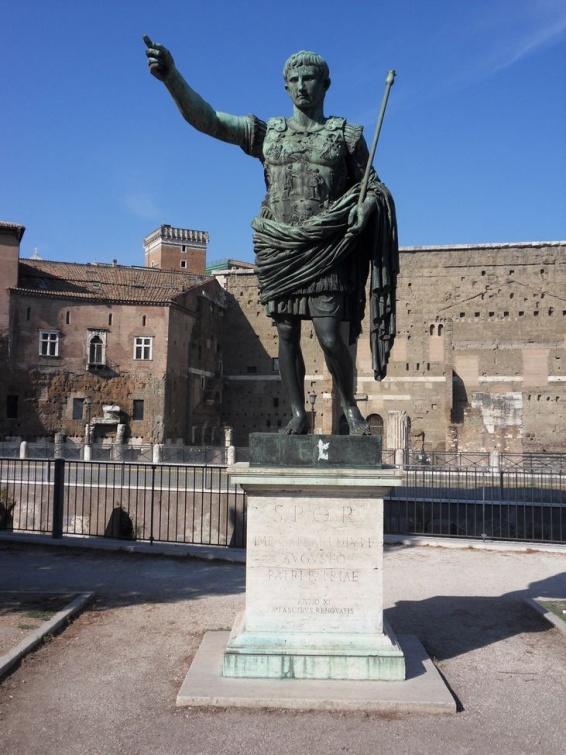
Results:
<point x="159" y="59"/>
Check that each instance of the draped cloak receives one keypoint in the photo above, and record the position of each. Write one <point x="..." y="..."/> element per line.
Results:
<point x="289" y="257"/>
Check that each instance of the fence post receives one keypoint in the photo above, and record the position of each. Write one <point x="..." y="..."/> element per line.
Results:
<point x="152" y="505"/>
<point x="58" y="497"/>
<point x="23" y="450"/>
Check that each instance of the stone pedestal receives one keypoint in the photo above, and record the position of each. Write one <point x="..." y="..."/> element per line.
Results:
<point x="314" y="603"/>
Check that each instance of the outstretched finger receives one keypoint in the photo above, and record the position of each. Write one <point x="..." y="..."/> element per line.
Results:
<point x="151" y="45"/>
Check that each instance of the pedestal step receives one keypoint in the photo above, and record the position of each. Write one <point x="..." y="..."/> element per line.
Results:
<point x="272" y="655"/>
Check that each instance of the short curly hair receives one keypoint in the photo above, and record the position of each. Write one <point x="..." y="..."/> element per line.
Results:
<point x="305" y="58"/>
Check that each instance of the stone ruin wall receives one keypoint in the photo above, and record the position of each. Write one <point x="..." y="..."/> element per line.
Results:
<point x="479" y="363"/>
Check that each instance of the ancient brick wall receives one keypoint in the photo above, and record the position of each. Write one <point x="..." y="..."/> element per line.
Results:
<point x="47" y="386"/>
<point x="194" y="367"/>
<point x="479" y="362"/>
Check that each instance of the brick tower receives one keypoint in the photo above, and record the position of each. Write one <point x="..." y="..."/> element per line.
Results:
<point x="178" y="249"/>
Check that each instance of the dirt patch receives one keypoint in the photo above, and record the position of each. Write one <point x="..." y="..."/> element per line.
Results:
<point x="21" y="613"/>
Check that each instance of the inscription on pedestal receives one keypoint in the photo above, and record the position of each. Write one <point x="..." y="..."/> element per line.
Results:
<point x="314" y="565"/>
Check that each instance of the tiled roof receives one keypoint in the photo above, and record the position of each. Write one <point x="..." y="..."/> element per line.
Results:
<point x="103" y="282"/>
<point x="15" y="228"/>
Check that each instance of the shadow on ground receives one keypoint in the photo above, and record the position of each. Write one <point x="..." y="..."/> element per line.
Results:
<point x="453" y="625"/>
<point x="117" y="579"/>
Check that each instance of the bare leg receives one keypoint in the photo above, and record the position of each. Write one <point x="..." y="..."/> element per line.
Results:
<point x="341" y="367"/>
<point x="292" y="371"/>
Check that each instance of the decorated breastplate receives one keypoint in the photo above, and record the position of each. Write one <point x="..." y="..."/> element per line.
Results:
<point x="305" y="170"/>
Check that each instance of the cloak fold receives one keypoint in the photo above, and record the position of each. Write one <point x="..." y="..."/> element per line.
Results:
<point x="289" y="257"/>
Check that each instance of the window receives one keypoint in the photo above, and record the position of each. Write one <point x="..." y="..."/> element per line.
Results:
<point x="183" y="263"/>
<point x="137" y="411"/>
<point x="375" y="422"/>
<point x="49" y="343"/>
<point x="143" y="347"/>
<point x="275" y="364"/>
<point x="97" y="349"/>
<point x="78" y="405"/>
<point x="11" y="407"/>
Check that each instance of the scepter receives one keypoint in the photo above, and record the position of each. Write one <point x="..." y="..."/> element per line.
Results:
<point x="388" y="84"/>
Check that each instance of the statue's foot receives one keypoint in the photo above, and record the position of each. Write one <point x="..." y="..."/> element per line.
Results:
<point x="356" y="423"/>
<point x="297" y="426"/>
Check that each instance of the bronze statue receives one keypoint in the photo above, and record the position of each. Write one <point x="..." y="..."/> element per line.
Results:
<point x="315" y="238"/>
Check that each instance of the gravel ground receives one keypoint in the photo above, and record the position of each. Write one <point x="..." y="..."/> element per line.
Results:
<point x="108" y="683"/>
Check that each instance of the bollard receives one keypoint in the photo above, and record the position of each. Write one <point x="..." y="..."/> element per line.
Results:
<point x="230" y="456"/>
<point x="157" y="453"/>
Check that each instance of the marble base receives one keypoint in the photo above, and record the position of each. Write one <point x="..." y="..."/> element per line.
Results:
<point x="308" y="655"/>
<point x="423" y="691"/>
<point x="314" y="603"/>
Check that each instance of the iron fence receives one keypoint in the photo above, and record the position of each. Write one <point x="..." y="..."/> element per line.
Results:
<point x="514" y="503"/>
<point x="195" y="503"/>
<point x="129" y="501"/>
<point x="530" y="462"/>
<point x="166" y="453"/>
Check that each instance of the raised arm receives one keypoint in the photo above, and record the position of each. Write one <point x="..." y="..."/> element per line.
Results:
<point x="195" y="110"/>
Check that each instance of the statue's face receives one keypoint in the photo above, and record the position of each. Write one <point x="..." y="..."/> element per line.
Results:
<point x="306" y="87"/>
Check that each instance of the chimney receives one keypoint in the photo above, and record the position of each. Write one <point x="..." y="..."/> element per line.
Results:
<point x="10" y="237"/>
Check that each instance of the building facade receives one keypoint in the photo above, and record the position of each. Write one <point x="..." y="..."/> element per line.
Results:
<point x="167" y="353"/>
<point x="142" y="345"/>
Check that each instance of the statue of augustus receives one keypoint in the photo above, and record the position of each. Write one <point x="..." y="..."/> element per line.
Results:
<point x="315" y="238"/>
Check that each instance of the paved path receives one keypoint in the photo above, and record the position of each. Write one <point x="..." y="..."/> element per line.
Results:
<point x="108" y="683"/>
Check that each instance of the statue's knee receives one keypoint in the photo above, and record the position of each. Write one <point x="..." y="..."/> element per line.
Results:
<point x="329" y="343"/>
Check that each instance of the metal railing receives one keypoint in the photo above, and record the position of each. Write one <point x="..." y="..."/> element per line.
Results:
<point x="195" y="503"/>
<point x="130" y="501"/>
<point x="519" y="503"/>
<point x="167" y="453"/>
<point x="533" y="462"/>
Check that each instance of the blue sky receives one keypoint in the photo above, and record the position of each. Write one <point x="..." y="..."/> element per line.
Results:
<point x="94" y="154"/>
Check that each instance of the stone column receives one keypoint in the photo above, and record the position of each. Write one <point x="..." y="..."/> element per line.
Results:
<point x="397" y="430"/>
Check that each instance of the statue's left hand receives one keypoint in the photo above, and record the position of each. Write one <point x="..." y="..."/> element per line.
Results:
<point x="359" y="216"/>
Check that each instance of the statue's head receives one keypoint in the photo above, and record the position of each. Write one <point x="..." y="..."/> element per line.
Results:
<point x="311" y="59"/>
